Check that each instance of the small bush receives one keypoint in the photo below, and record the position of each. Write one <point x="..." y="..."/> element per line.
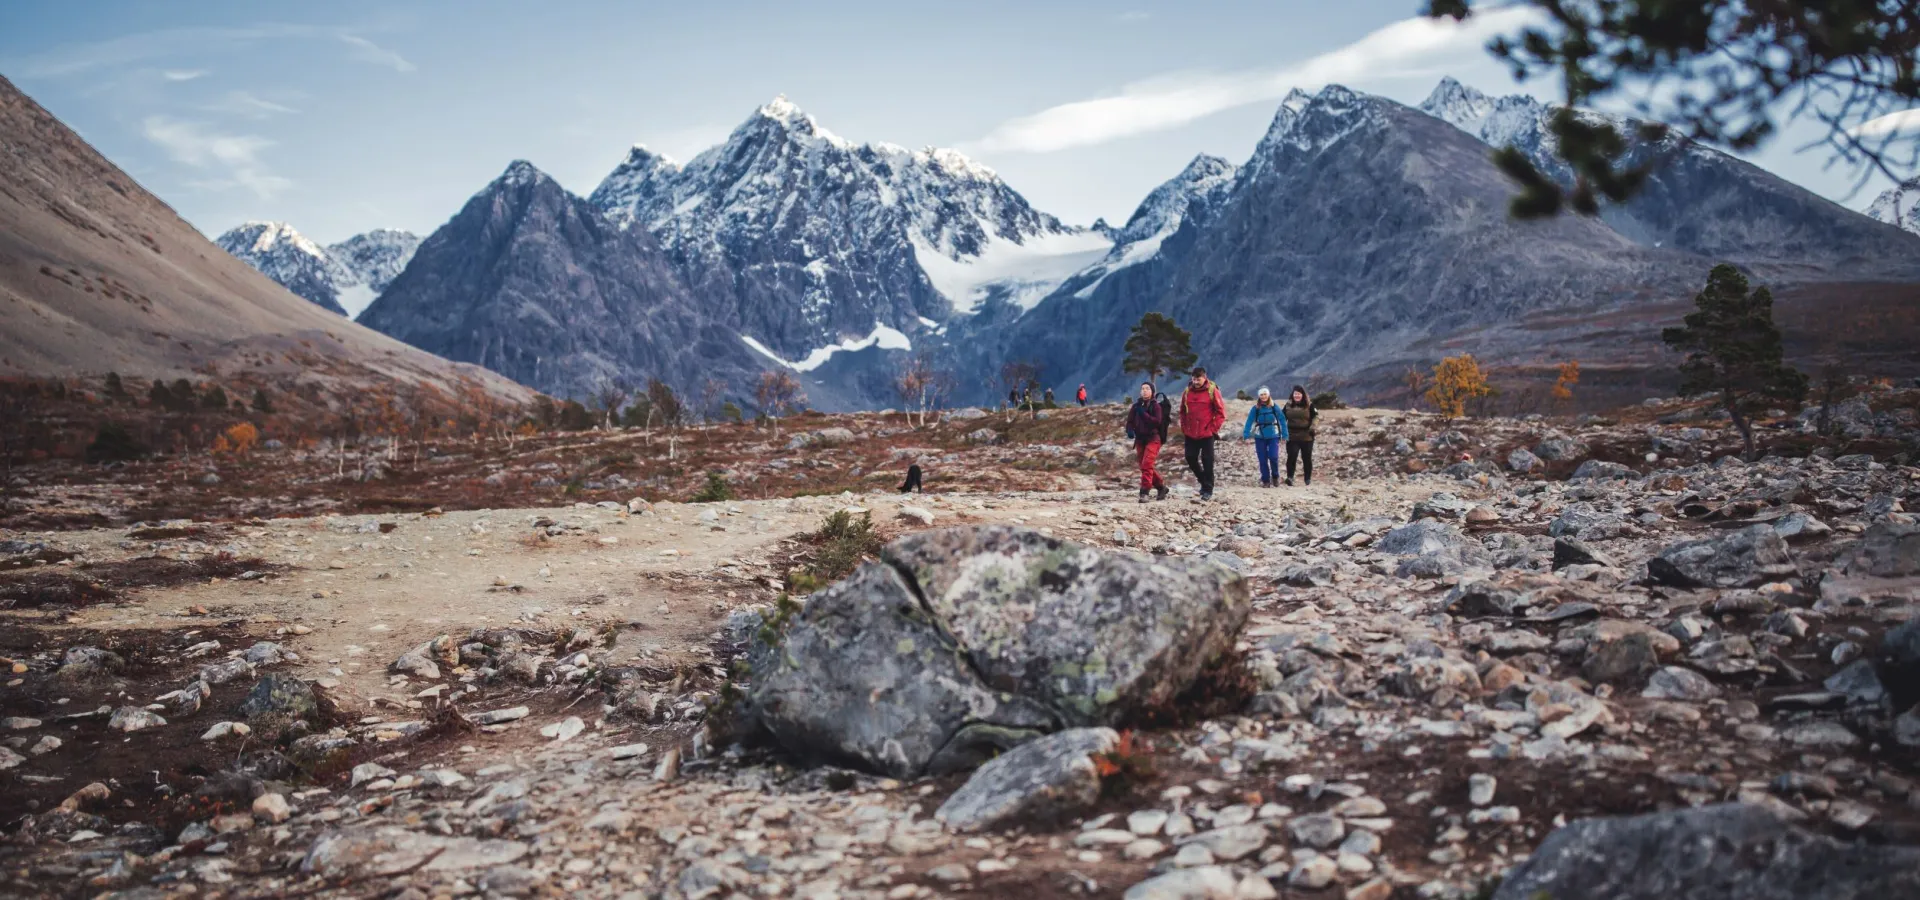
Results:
<point x="1242" y="394"/>
<point x="1328" y="400"/>
<point x="112" y="443"/>
<point x="730" y="412"/>
<point x="842" y="542"/>
<point x="716" y="490"/>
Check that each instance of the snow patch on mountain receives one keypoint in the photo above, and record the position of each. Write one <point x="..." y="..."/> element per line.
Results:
<point x="1022" y="274"/>
<point x="883" y="337"/>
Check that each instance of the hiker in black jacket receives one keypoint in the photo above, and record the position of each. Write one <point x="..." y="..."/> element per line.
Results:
<point x="1147" y="429"/>
<point x="1300" y="415"/>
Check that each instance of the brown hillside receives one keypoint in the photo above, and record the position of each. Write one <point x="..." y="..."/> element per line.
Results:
<point x="98" y="275"/>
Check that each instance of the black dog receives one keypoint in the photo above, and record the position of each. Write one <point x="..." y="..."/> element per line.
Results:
<point x="913" y="481"/>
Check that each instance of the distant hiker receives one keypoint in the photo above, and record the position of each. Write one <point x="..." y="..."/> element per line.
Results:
<point x="1147" y="429"/>
<point x="1049" y="398"/>
<point x="1013" y="399"/>
<point x="1202" y="412"/>
<point x="913" y="480"/>
<point x="1267" y="426"/>
<point x="1026" y="399"/>
<point x="1300" y="415"/>
<point x="1082" y="395"/>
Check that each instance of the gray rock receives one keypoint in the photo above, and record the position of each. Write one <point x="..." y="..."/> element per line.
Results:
<point x="1906" y="728"/>
<point x="1887" y="550"/>
<point x="1307" y="575"/>
<point x="1442" y="506"/>
<point x="1044" y="779"/>
<point x="1600" y="470"/>
<point x="1232" y="842"/>
<point x="1317" y="830"/>
<point x="1523" y="461"/>
<point x="1433" y="540"/>
<point x="1559" y="449"/>
<point x="1798" y="527"/>
<point x="284" y="698"/>
<point x="1679" y="683"/>
<point x="1586" y="523"/>
<point x="1199" y="883"/>
<point x="1622" y="659"/>
<point x="1729" y="851"/>
<point x="1751" y="556"/>
<point x="1482" y="598"/>
<point x="88" y="664"/>
<point x="1900" y="661"/>
<point x="133" y="718"/>
<point x="984" y="436"/>
<point x="1571" y="551"/>
<point x="377" y="851"/>
<point x="1859" y="682"/>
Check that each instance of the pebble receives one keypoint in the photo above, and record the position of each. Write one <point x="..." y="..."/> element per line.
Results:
<point x="1480" y="788"/>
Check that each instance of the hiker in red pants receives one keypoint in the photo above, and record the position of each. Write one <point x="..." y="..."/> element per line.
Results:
<point x="1146" y="422"/>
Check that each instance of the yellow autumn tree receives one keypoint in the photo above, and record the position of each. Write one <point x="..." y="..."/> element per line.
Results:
<point x="1569" y="376"/>
<point x="1456" y="380"/>
<point x="239" y="439"/>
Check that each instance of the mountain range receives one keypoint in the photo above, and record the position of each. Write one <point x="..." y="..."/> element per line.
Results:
<point x="1360" y="237"/>
<point x="348" y="274"/>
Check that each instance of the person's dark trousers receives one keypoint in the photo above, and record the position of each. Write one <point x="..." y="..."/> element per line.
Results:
<point x="1200" y="462"/>
<point x="1268" y="449"/>
<point x="1302" y="451"/>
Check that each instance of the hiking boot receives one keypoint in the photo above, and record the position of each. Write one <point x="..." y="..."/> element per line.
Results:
<point x="1163" y="492"/>
<point x="1289" y="482"/>
<point x="1265" y="483"/>
<point x="1206" y="496"/>
<point x="1143" y="496"/>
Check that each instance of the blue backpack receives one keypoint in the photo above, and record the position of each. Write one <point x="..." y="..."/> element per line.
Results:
<point x="1268" y="415"/>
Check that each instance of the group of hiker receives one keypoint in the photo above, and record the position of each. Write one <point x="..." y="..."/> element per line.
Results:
<point x="1018" y="400"/>
<point x="1203" y="412"/>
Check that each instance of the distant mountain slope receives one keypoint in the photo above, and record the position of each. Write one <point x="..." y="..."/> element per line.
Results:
<point x="1701" y="200"/>
<point x="98" y="275"/>
<point x="342" y="276"/>
<point x="534" y="283"/>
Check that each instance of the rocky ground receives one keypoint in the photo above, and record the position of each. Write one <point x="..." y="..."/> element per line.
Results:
<point x="1397" y="682"/>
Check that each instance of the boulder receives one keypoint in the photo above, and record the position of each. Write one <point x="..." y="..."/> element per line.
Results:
<point x="1887" y="550"/>
<point x="1523" y="461"/>
<point x="1432" y="549"/>
<point x="1728" y="851"/>
<point x="1568" y="551"/>
<point x="1559" y="449"/>
<point x="965" y="641"/>
<point x="1043" y="779"/>
<point x="1600" y="470"/>
<point x="1442" y="506"/>
<point x="1586" y="523"/>
<point x="89" y="663"/>
<point x="280" y="697"/>
<point x="984" y="436"/>
<point x="1798" y="527"/>
<point x="1751" y="556"/>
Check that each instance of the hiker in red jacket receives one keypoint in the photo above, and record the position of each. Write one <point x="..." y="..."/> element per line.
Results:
<point x="1081" y="395"/>
<point x="1146" y="427"/>
<point x="1202" y="412"/>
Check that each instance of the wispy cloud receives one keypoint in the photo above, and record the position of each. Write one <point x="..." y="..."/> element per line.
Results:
<point x="248" y="104"/>
<point x="235" y="157"/>
<point x="1889" y="126"/>
<point x="370" y="52"/>
<point x="175" y="43"/>
<point x="1136" y="15"/>
<point x="1409" y="47"/>
<point x="183" y="74"/>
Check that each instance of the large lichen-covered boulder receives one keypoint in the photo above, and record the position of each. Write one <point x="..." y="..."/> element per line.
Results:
<point x="1728" y="851"/>
<point x="965" y="641"/>
<point x="864" y="677"/>
<point x="1093" y="635"/>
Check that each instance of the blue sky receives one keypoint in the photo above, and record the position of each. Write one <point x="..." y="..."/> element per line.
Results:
<point x="347" y="116"/>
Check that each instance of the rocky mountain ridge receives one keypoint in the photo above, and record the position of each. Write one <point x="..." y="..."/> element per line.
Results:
<point x="347" y="274"/>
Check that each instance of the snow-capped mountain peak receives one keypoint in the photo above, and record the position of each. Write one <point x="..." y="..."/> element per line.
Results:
<point x="1899" y="205"/>
<point x="342" y="278"/>
<point x="1457" y="103"/>
<point x="1499" y="121"/>
<point x="520" y="172"/>
<point x="849" y="235"/>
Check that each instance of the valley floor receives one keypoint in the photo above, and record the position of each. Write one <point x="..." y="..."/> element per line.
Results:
<point x="510" y="701"/>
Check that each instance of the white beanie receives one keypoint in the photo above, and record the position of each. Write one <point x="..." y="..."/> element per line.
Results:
<point x="1265" y="393"/>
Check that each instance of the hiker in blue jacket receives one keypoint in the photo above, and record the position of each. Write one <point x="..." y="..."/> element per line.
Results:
<point x="1271" y="420"/>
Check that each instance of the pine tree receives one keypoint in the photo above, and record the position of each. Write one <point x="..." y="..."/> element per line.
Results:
<point x="1734" y="349"/>
<point x="115" y="389"/>
<point x="261" y="403"/>
<point x="216" y="398"/>
<point x="158" y="396"/>
<point x="1158" y="346"/>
